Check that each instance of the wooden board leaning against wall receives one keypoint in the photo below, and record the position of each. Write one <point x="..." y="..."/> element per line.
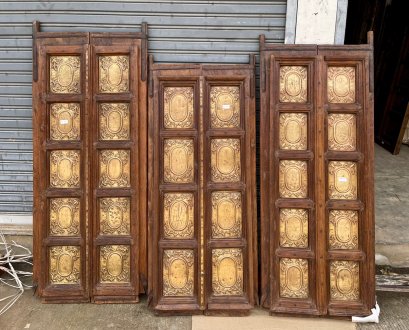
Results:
<point x="90" y="176"/>
<point x="316" y="151"/>
<point x="202" y="211"/>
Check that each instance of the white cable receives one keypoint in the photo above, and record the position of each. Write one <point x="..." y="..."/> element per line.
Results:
<point x="7" y="259"/>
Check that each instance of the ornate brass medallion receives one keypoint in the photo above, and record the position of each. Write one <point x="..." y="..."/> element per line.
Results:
<point x="178" y="160"/>
<point x="65" y="265"/>
<point x="65" y="121"/>
<point x="225" y="160"/>
<point x="64" y="216"/>
<point x="227" y="272"/>
<point x="293" y="84"/>
<point x="114" y="216"/>
<point x="178" y="273"/>
<point x="342" y="132"/>
<point x="226" y="214"/>
<point x="294" y="278"/>
<point x="178" y="107"/>
<point x="114" y="121"/>
<point x="114" y="168"/>
<point x="344" y="280"/>
<point x="114" y="74"/>
<point x="178" y="215"/>
<point x="225" y="106"/>
<point x="341" y="84"/>
<point x="65" y="169"/>
<point x="65" y="74"/>
<point x="343" y="229"/>
<point x="294" y="228"/>
<point x="114" y="264"/>
<point x="342" y="180"/>
<point x="293" y="131"/>
<point x="293" y="180"/>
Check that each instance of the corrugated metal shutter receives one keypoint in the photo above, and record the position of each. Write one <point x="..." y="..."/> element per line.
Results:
<point x="179" y="31"/>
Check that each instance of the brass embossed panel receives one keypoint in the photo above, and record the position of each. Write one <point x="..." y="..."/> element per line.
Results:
<point x="178" y="215"/>
<point x="178" y="273"/>
<point x="65" y="265"/>
<point x="114" y="168"/>
<point x="343" y="229"/>
<point x="65" y="74"/>
<point x="114" y="264"/>
<point x="114" y="74"/>
<point x="178" y="107"/>
<point x="342" y="132"/>
<point x="65" y="169"/>
<point x="293" y="179"/>
<point x="114" y="216"/>
<point x="65" y="121"/>
<point x="178" y="160"/>
<point x="342" y="180"/>
<point x="293" y="84"/>
<point x="341" y="84"/>
<point x="114" y="121"/>
<point x="225" y="160"/>
<point x="344" y="280"/>
<point x="227" y="272"/>
<point x="226" y="214"/>
<point x="64" y="216"/>
<point x="294" y="228"/>
<point x="293" y="131"/>
<point x="225" y="106"/>
<point x="294" y="278"/>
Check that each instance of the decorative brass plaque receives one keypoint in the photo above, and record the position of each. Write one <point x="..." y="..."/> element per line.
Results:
<point x="293" y="131"/>
<point x="341" y="84"/>
<point x="227" y="272"/>
<point x="178" y="107"/>
<point x="114" y="169"/>
<point x="65" y="121"/>
<point x="114" y="216"/>
<point x="293" y="84"/>
<point x="344" y="280"/>
<point x="341" y="132"/>
<point x="65" y="74"/>
<point x="178" y="273"/>
<point x="114" y="264"/>
<point x="178" y="215"/>
<point x="114" y="121"/>
<point x="178" y="160"/>
<point x="64" y="216"/>
<point x="343" y="229"/>
<point x="65" y="169"/>
<point x="342" y="180"/>
<point x="294" y="228"/>
<point x="113" y="74"/>
<point x="226" y="214"/>
<point x="225" y="106"/>
<point x="294" y="278"/>
<point x="225" y="160"/>
<point x="65" y="264"/>
<point x="293" y="179"/>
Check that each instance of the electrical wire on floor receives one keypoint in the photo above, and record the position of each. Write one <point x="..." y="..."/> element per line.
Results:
<point x="8" y="258"/>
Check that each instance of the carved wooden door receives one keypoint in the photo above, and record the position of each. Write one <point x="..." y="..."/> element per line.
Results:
<point x="202" y="188"/>
<point x="317" y="221"/>
<point x="89" y="102"/>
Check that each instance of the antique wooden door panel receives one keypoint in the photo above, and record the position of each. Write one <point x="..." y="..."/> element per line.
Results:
<point x="60" y="110"/>
<point x="202" y="242"/>
<point x="89" y="100"/>
<point x="317" y="196"/>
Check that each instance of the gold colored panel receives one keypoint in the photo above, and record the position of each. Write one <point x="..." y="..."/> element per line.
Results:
<point x="225" y="160"/>
<point x="293" y="179"/>
<point x="293" y="131"/>
<point x="343" y="229"/>
<point x="64" y="216"/>
<point x="114" y="263"/>
<point x="178" y="160"/>
<point x="341" y="84"/>
<point x="178" y="107"/>
<point x="114" y="216"/>
<point x="114" y="169"/>
<point x="225" y="106"/>
<point x="65" y="169"/>
<point x="227" y="272"/>
<point x="114" y="121"/>
<point x="113" y="74"/>
<point x="65" y="74"/>
<point x="294" y="278"/>
<point x="226" y="214"/>
<point x="342" y="180"/>
<point x="178" y="273"/>
<point x="294" y="228"/>
<point x="178" y="215"/>
<point x="293" y="84"/>
<point x="344" y="280"/>
<point x="342" y="132"/>
<point x="65" y="265"/>
<point x="65" y="121"/>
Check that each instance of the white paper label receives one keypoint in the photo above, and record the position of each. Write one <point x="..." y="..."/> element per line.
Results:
<point x="342" y="179"/>
<point x="63" y="121"/>
<point x="226" y="106"/>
